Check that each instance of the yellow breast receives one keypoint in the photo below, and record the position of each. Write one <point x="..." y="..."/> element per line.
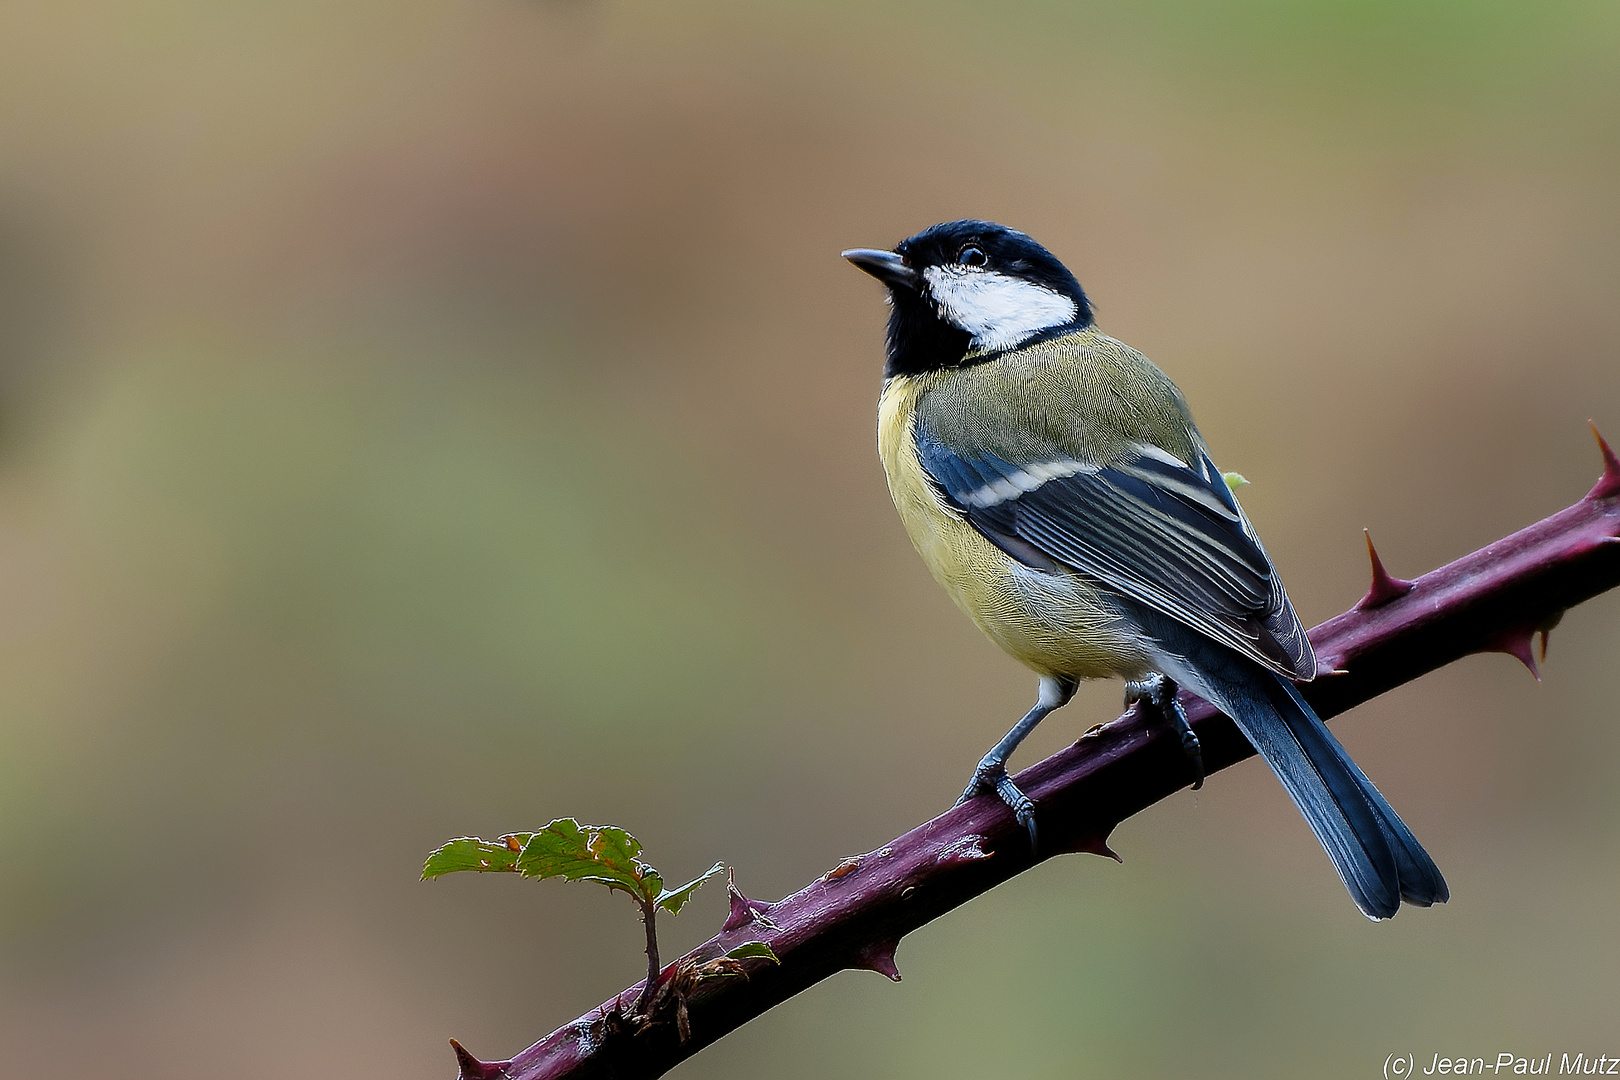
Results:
<point x="1050" y="622"/>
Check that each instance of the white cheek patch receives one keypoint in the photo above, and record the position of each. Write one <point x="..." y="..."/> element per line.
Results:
<point x="999" y="311"/>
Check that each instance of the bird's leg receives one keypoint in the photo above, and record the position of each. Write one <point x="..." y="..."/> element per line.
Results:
<point x="992" y="771"/>
<point x="1159" y="691"/>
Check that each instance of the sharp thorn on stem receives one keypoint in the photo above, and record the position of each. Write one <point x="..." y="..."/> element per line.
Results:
<point x="743" y="910"/>
<point x="1384" y="587"/>
<point x="1095" y="844"/>
<point x="1516" y="642"/>
<point x="473" y="1069"/>
<point x="879" y="957"/>
<point x="1608" y="485"/>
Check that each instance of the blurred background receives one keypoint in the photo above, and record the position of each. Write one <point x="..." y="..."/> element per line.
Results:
<point x="431" y="418"/>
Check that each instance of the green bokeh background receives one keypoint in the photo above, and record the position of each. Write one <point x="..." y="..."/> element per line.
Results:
<point x="438" y="417"/>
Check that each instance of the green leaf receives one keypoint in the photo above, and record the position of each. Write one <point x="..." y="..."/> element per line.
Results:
<point x="471" y="853"/>
<point x="672" y="900"/>
<point x="602" y="853"/>
<point x="576" y="852"/>
<point x="752" y="949"/>
<point x="1235" y="480"/>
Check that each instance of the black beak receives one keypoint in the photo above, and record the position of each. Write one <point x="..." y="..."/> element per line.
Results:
<point x="886" y="266"/>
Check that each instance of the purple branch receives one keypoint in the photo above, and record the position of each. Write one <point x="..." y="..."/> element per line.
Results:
<point x="854" y="915"/>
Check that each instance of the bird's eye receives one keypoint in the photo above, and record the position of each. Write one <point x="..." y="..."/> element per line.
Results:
<point x="970" y="256"/>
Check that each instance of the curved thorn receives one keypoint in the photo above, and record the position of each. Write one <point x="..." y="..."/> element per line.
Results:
<point x="743" y="910"/>
<point x="1384" y="587"/>
<point x="1095" y="844"/>
<point x="879" y="957"/>
<point x="1608" y="484"/>
<point x="473" y="1069"/>
<point x="1516" y="642"/>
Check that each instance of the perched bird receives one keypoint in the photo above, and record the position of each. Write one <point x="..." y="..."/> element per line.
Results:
<point x="1055" y="484"/>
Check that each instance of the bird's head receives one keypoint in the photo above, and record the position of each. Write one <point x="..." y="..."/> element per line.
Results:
<point x="970" y="287"/>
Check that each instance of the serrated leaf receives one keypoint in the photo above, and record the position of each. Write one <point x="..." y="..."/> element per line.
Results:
<point x="576" y="852"/>
<point x="612" y="846"/>
<point x="750" y="950"/>
<point x="605" y="854"/>
<point x="674" y="899"/>
<point x="472" y="853"/>
<point x="1235" y="480"/>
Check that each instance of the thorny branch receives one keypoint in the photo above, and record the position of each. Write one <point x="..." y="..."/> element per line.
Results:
<point x="853" y="916"/>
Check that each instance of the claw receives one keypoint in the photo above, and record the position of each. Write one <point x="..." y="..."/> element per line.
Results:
<point x="1022" y="806"/>
<point x="1194" y="750"/>
<point x="980" y="783"/>
<point x="992" y="771"/>
<point x="1027" y="820"/>
<point x="992" y="777"/>
<point x="1159" y="692"/>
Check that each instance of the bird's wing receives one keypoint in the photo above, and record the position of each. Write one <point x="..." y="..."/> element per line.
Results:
<point x="1163" y="531"/>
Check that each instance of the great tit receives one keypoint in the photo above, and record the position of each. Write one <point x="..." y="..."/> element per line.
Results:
<point x="1054" y="483"/>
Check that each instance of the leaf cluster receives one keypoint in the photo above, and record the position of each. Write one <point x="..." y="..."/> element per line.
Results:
<point x="566" y="849"/>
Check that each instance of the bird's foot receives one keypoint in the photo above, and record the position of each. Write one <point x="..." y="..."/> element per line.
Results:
<point x="1160" y="692"/>
<point x="992" y="776"/>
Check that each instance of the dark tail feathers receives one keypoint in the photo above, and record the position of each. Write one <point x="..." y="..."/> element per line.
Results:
<point x="1379" y="859"/>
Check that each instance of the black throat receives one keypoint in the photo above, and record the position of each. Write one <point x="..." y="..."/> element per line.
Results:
<point x="918" y="340"/>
